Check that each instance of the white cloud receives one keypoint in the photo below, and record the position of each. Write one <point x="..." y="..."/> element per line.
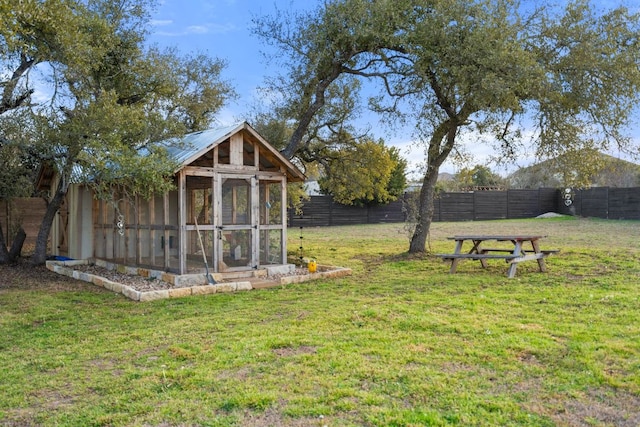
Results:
<point x="161" y="22"/>
<point x="199" y="30"/>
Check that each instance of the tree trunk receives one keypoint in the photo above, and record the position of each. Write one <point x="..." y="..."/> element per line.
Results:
<point x="440" y="146"/>
<point x="425" y="211"/>
<point x="40" y="253"/>
<point x="4" y="253"/>
<point x="16" y="246"/>
<point x="310" y="111"/>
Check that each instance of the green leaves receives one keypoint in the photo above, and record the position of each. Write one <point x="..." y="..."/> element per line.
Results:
<point x="363" y="173"/>
<point x="105" y="98"/>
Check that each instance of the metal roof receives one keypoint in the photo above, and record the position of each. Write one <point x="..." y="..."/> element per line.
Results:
<point x="188" y="148"/>
<point x="184" y="149"/>
<point x="193" y="145"/>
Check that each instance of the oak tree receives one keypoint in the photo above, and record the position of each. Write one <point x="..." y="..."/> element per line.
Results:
<point x="374" y="175"/>
<point x="494" y="68"/>
<point x="109" y="97"/>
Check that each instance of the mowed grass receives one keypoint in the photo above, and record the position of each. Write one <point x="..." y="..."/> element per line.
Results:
<point x="400" y="342"/>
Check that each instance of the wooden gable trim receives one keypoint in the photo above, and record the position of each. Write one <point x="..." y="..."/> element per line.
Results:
<point x="237" y="136"/>
<point x="293" y="173"/>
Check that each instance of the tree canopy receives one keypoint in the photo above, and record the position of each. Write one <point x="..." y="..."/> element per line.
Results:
<point x="375" y="174"/>
<point x="477" y="176"/>
<point x="562" y="78"/>
<point x="104" y="98"/>
<point x="605" y="171"/>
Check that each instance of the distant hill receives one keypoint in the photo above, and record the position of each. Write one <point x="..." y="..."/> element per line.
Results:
<point x="605" y="171"/>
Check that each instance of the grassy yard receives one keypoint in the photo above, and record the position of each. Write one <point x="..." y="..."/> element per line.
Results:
<point x="400" y="342"/>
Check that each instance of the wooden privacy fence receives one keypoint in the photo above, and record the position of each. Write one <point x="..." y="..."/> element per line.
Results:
<point x="602" y="202"/>
<point x="610" y="203"/>
<point x="468" y="206"/>
<point x="25" y="212"/>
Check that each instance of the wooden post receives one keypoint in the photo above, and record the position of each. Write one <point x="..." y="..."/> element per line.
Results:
<point x="166" y="233"/>
<point x="151" y="233"/>
<point x="235" y="149"/>
<point x="138" y="231"/>
<point x="255" y="222"/>
<point x="264" y="242"/>
<point x="217" y="220"/>
<point x="283" y="213"/>
<point x="182" y="221"/>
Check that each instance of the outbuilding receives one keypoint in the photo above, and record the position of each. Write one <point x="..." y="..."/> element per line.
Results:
<point x="230" y="188"/>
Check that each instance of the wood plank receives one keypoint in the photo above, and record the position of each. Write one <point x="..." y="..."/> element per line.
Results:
<point x="236" y="150"/>
<point x="477" y="256"/>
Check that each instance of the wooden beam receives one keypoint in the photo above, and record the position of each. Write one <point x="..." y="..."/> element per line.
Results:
<point x="137" y="230"/>
<point x="198" y="171"/>
<point x="255" y="221"/>
<point x="256" y="153"/>
<point x="217" y="221"/>
<point x="236" y="148"/>
<point x="182" y="221"/>
<point x="283" y="218"/>
<point x="167" y="238"/>
<point x="151" y="234"/>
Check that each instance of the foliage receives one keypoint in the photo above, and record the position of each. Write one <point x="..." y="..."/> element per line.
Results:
<point x="366" y="172"/>
<point x="477" y="176"/>
<point x="109" y="98"/>
<point x="398" y="179"/>
<point x="354" y="171"/>
<point x="16" y="165"/>
<point x="487" y="67"/>
<point x="400" y="342"/>
<point x="16" y="176"/>
<point x="606" y="171"/>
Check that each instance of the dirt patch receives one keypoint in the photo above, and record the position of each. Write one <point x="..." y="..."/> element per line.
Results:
<point x="26" y="276"/>
<point x="273" y="417"/>
<point x="294" y="351"/>
<point x="601" y="407"/>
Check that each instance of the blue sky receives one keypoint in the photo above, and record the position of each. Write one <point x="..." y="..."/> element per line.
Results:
<point x="221" y="28"/>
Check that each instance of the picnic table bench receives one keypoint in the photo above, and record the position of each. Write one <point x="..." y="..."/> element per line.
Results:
<point x="513" y="255"/>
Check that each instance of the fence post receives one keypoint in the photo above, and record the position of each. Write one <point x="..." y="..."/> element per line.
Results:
<point x="331" y="202"/>
<point x="475" y="213"/>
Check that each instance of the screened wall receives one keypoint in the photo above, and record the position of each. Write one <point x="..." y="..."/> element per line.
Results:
<point x="238" y="220"/>
<point x="229" y="208"/>
<point x="138" y="232"/>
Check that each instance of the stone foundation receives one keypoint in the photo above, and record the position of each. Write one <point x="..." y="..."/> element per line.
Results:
<point x="188" y="284"/>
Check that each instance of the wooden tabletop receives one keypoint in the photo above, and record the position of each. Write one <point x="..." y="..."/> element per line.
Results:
<point x="499" y="237"/>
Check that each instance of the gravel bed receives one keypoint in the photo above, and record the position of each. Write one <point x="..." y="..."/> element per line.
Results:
<point x="136" y="282"/>
<point x="144" y="284"/>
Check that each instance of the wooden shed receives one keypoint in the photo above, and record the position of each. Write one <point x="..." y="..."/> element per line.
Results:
<point x="231" y="182"/>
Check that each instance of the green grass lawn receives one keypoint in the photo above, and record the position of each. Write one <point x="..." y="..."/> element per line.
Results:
<point x="400" y="342"/>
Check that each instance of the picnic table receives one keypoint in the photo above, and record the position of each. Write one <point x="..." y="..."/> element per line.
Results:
<point x="513" y="254"/>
